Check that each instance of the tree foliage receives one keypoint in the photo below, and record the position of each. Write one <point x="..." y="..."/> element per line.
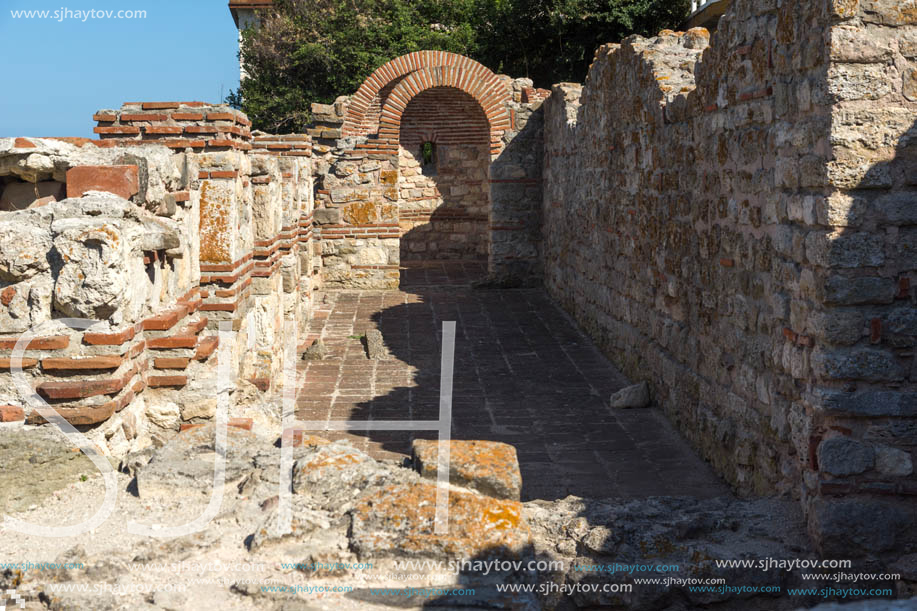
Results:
<point x="315" y="50"/>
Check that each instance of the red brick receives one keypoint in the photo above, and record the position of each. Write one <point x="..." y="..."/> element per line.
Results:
<point x="22" y="143"/>
<point x="122" y="180"/>
<point x="221" y="116"/>
<point x="142" y="117"/>
<point x="7" y="294"/>
<point x="117" y="129"/>
<point x="241" y="423"/>
<point x="814" y="441"/>
<point x="159" y="381"/>
<point x="789" y="334"/>
<point x="171" y="362"/>
<point x="904" y="288"/>
<point x="200" y="129"/>
<point x="181" y="196"/>
<point x="166" y="320"/>
<point x="52" y="342"/>
<point x="160" y="105"/>
<point x="875" y="330"/>
<point x="218" y="307"/>
<point x="188" y="426"/>
<point x="77" y="363"/>
<point x="136" y="349"/>
<point x="175" y="341"/>
<point x="7" y="363"/>
<point x="206" y="347"/>
<point x="109" y="339"/>
<point x="188" y="116"/>
<point x="162" y="129"/>
<point x="227" y="174"/>
<point x="11" y="413"/>
<point x="104" y="118"/>
<point x="727" y="262"/>
<point x="80" y="389"/>
<point x="196" y="326"/>
<point x="181" y="144"/>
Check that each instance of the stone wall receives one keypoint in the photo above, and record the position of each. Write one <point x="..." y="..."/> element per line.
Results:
<point x="484" y="200"/>
<point x="173" y="222"/>
<point x="729" y="221"/>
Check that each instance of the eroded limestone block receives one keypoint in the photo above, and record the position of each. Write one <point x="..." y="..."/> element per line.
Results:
<point x="23" y="249"/>
<point x="99" y="269"/>
<point x="489" y="467"/>
<point x="399" y="520"/>
<point x="637" y="395"/>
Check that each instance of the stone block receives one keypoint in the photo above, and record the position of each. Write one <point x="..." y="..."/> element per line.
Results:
<point x="637" y="395"/>
<point x="399" y="520"/>
<point x="856" y="364"/>
<point x="122" y="180"/>
<point x="848" y="527"/>
<point x="893" y="462"/>
<point x="489" y="467"/>
<point x="843" y="456"/>
<point x="871" y="403"/>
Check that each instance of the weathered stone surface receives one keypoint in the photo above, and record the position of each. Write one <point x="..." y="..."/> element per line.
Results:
<point x="375" y="346"/>
<point x="316" y="352"/>
<point x="852" y="526"/>
<point x="893" y="462"/>
<point x="24" y="249"/>
<point x="185" y="465"/>
<point x="637" y="395"/>
<point x="36" y="463"/>
<point x="399" y="520"/>
<point x="489" y="467"/>
<point x="844" y="456"/>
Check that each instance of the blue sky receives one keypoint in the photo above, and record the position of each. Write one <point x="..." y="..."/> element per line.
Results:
<point x="56" y="74"/>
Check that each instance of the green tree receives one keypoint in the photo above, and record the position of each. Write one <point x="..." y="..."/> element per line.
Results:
<point x="315" y="50"/>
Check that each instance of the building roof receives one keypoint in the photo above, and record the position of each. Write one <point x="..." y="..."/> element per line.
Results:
<point x="706" y="13"/>
<point x="247" y="5"/>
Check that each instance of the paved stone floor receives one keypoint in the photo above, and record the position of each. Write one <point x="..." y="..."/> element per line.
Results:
<point x="524" y="375"/>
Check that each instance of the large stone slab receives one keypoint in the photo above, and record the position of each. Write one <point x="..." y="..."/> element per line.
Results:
<point x="490" y="467"/>
<point x="398" y="520"/>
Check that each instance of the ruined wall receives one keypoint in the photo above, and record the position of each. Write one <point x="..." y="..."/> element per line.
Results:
<point x="172" y="224"/>
<point x="485" y="199"/>
<point x="705" y="221"/>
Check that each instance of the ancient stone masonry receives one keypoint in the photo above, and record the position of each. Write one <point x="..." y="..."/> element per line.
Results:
<point x="440" y="159"/>
<point x="732" y="219"/>
<point x="175" y="221"/>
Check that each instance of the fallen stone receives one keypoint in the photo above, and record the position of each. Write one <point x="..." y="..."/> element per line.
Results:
<point x="490" y="467"/>
<point x="335" y="475"/>
<point x="315" y="352"/>
<point x="637" y="395"/>
<point x="398" y="520"/>
<point x="375" y="346"/>
<point x="186" y="463"/>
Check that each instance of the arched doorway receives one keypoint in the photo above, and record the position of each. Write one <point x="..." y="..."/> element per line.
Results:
<point x="446" y="115"/>
<point x="444" y="201"/>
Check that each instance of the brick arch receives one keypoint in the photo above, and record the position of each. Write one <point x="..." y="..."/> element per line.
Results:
<point x="420" y="69"/>
<point x="491" y="100"/>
